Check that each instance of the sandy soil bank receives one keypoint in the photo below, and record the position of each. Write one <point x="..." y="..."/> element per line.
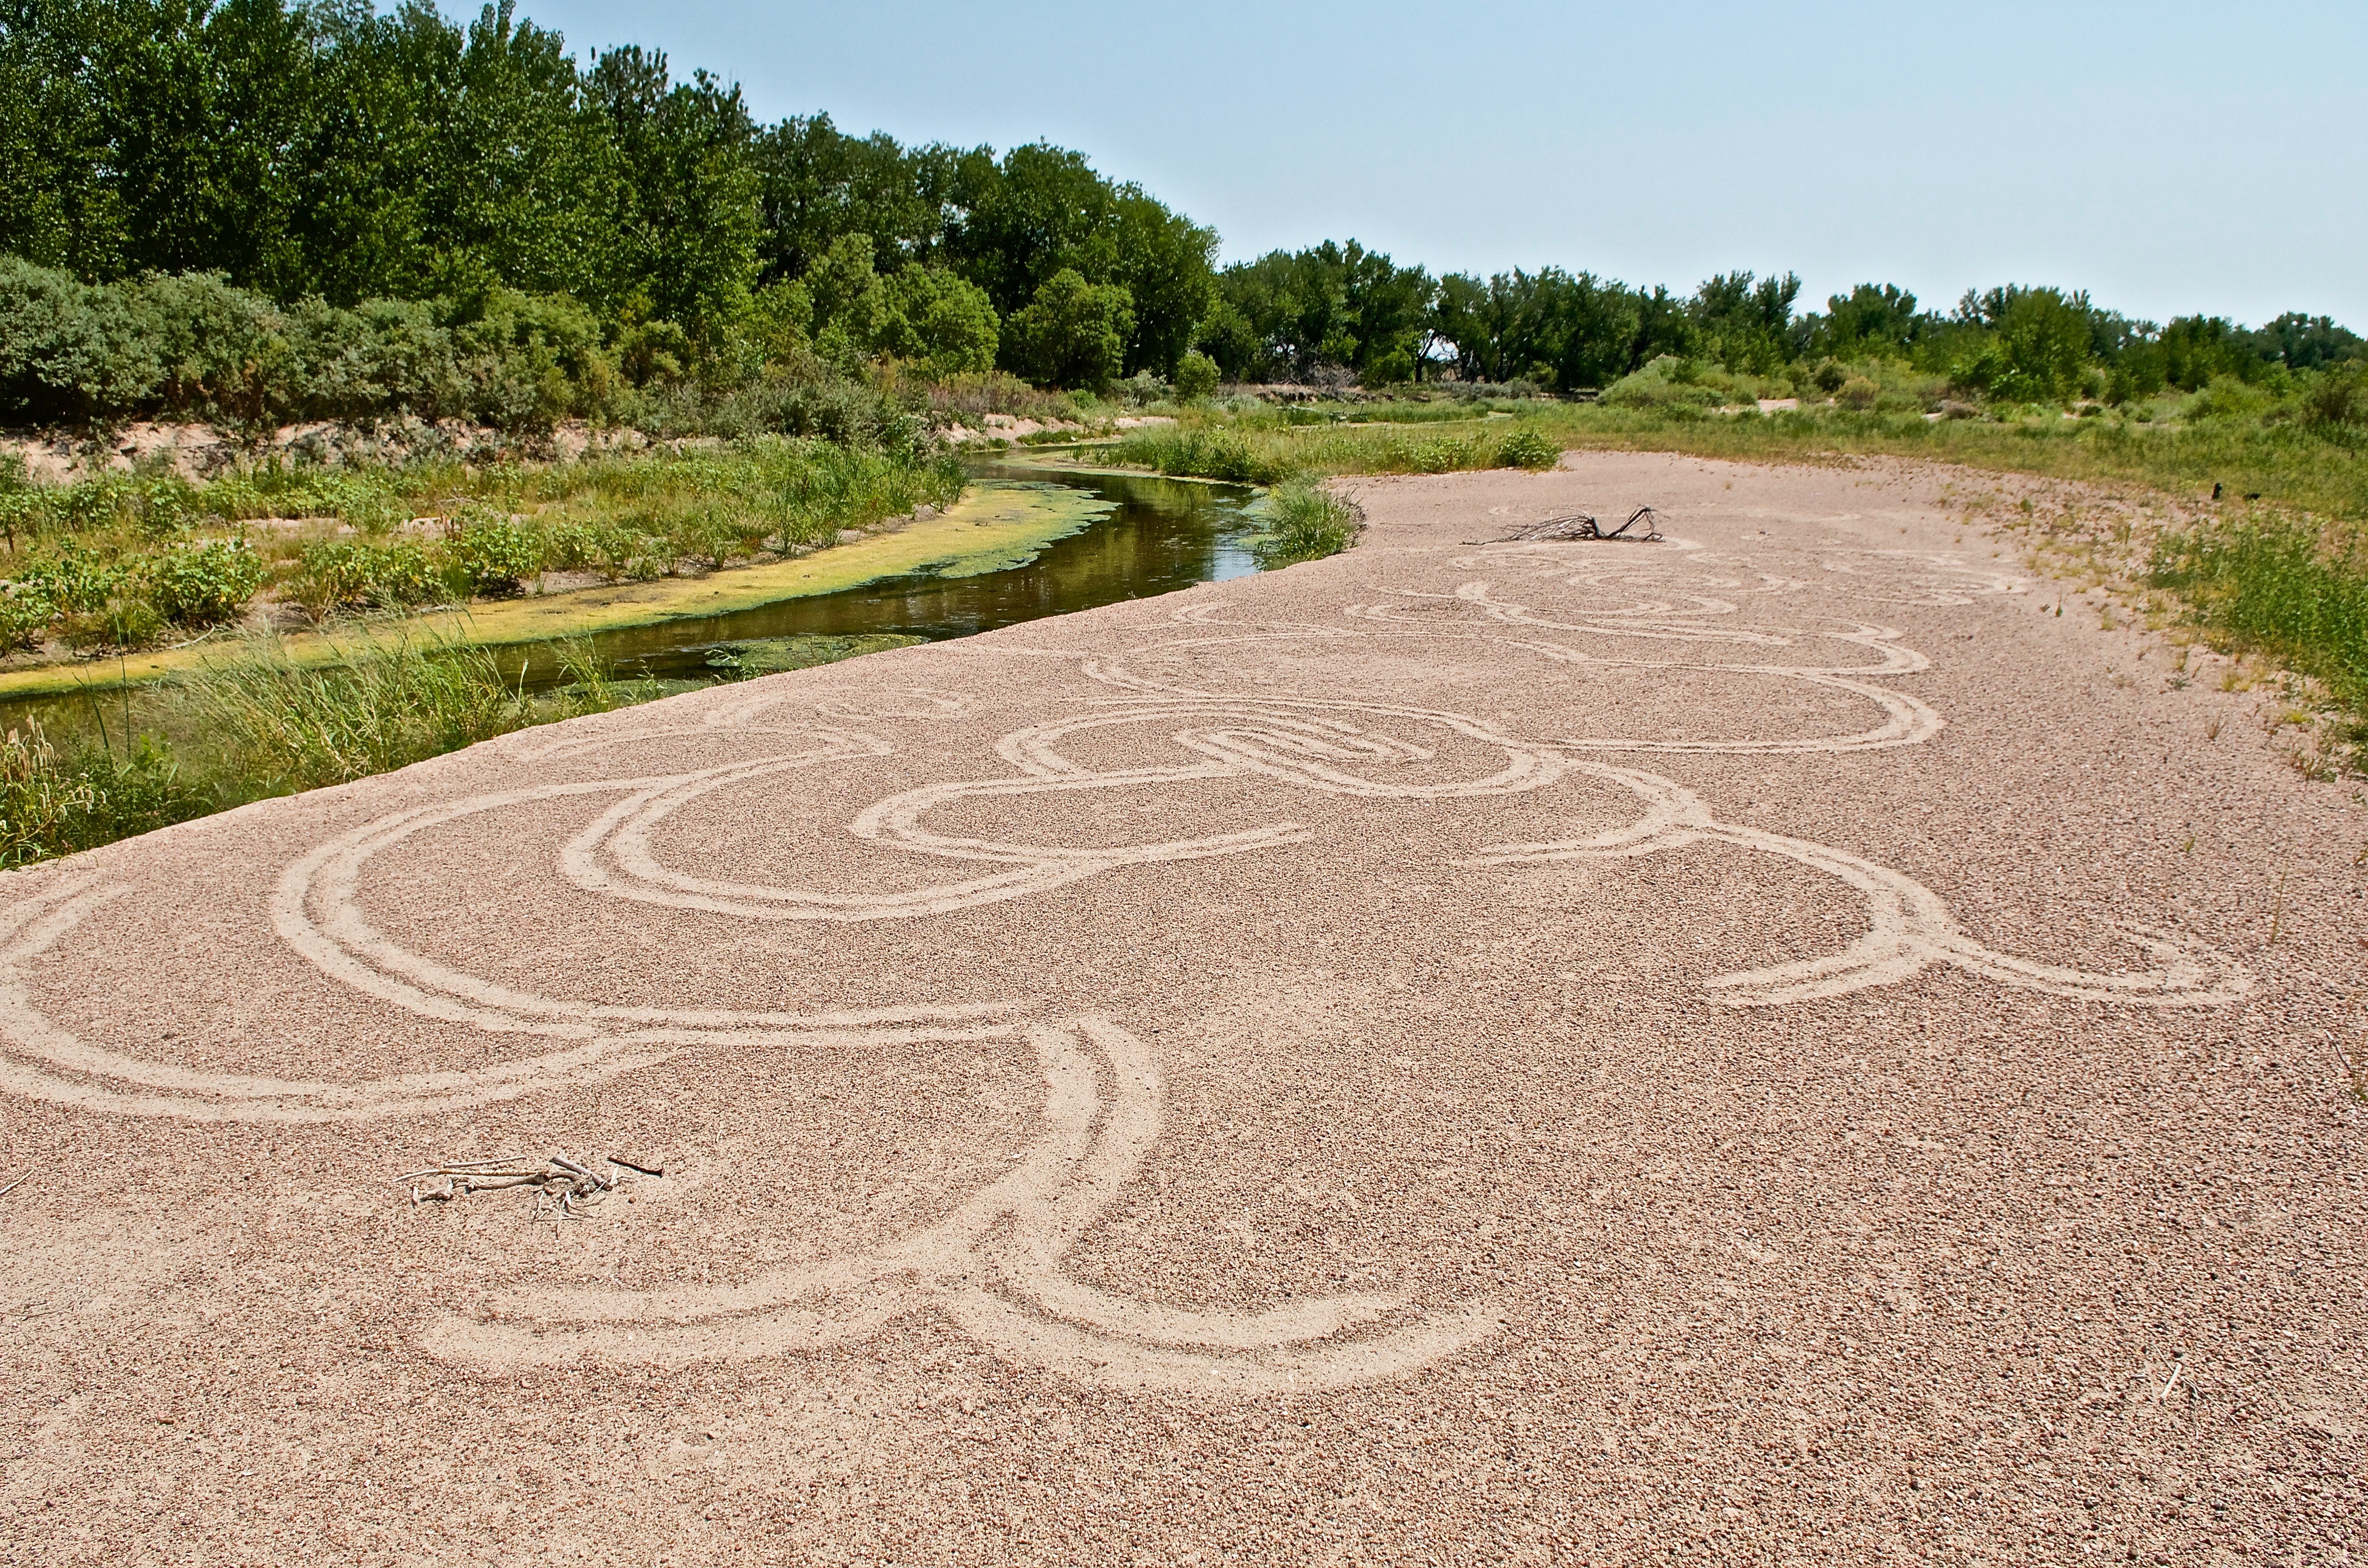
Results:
<point x="1771" y="1045"/>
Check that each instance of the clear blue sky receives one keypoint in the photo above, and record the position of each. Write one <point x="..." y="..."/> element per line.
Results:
<point x="2172" y="158"/>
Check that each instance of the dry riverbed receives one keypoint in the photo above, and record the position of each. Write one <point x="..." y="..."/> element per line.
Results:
<point x="1769" y="1044"/>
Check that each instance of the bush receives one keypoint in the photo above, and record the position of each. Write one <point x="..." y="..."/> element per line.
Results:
<point x="2339" y="397"/>
<point x="1073" y="333"/>
<point x="1666" y="383"/>
<point x="344" y="575"/>
<point x="1532" y="450"/>
<point x="1196" y="376"/>
<point x="26" y="612"/>
<point x="946" y="322"/>
<point x="495" y="556"/>
<point x="1859" y="392"/>
<point x="205" y="584"/>
<point x="1309" y="522"/>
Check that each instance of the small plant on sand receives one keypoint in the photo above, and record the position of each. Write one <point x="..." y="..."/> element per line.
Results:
<point x="1309" y="523"/>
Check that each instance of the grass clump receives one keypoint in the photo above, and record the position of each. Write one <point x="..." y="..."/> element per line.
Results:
<point x="286" y="726"/>
<point x="54" y="804"/>
<point x="1306" y="522"/>
<point x="2275" y="586"/>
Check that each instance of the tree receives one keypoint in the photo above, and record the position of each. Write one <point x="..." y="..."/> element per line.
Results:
<point x="943" y="321"/>
<point x="2036" y="350"/>
<point x="1873" y="320"/>
<point x="1746" y="324"/>
<point x="1072" y="334"/>
<point x="685" y="192"/>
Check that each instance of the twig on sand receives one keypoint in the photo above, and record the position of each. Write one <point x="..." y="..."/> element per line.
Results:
<point x="570" y="1185"/>
<point x="1582" y="525"/>
<point x="13" y="1185"/>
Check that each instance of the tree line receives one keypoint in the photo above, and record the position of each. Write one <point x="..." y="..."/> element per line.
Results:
<point x="264" y="210"/>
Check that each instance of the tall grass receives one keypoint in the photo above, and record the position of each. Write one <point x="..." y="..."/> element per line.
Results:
<point x="285" y="726"/>
<point x="54" y="804"/>
<point x="1307" y="522"/>
<point x="2275" y="586"/>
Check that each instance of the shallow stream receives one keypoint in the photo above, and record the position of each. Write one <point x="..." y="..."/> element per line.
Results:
<point x="1143" y="536"/>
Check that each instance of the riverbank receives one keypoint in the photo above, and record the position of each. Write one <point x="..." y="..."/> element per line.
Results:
<point x="985" y="531"/>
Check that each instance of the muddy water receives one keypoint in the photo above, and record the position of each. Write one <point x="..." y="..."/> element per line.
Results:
<point x="1159" y="535"/>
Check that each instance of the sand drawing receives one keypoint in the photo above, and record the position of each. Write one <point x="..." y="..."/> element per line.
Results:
<point x="994" y="1265"/>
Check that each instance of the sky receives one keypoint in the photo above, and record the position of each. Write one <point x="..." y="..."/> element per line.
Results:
<point x="2171" y="158"/>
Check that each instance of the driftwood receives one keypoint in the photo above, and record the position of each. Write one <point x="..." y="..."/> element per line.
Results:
<point x="1581" y="524"/>
<point x="567" y="1185"/>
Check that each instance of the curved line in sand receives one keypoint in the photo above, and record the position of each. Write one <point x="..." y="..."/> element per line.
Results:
<point x="1909" y="926"/>
<point x="984" y="1266"/>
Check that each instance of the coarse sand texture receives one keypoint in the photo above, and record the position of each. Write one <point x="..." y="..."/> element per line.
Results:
<point x="1771" y="1044"/>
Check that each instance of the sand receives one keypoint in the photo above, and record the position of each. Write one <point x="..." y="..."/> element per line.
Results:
<point x="1764" y="1046"/>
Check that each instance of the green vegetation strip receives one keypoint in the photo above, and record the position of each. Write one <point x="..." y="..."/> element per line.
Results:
<point x="997" y="526"/>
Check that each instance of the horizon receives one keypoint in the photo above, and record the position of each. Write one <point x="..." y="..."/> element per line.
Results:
<point x="2054" y="200"/>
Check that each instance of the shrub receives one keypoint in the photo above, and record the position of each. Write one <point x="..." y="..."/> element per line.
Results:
<point x="1532" y="450"/>
<point x="1073" y="333"/>
<point x="1309" y="522"/>
<point x="495" y="556"/>
<point x="1666" y="383"/>
<point x="26" y="612"/>
<point x="1859" y="392"/>
<point x="2339" y="397"/>
<point x="1196" y="376"/>
<point x="946" y="322"/>
<point x="341" y="574"/>
<point x="205" y="584"/>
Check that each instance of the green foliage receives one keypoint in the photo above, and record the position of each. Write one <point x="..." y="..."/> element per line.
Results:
<point x="1672" y="383"/>
<point x="2275" y="586"/>
<point x="1286" y="315"/>
<point x="205" y="583"/>
<point x="52" y="805"/>
<point x="495" y="556"/>
<point x="1873" y="319"/>
<point x="1531" y="448"/>
<point x="944" y="322"/>
<point x="1196" y="376"/>
<point x="2037" y="353"/>
<point x="2338" y="397"/>
<point x="193" y="346"/>
<point x="1746" y="324"/>
<point x="1306" y="522"/>
<point x="355" y="575"/>
<point x="1073" y="333"/>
